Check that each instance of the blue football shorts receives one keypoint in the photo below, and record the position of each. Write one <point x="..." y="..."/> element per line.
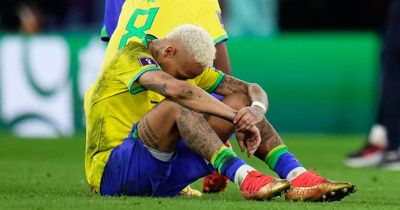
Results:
<point x="217" y="96"/>
<point x="132" y="170"/>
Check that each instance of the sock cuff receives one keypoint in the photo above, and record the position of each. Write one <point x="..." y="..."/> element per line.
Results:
<point x="241" y="174"/>
<point x="273" y="155"/>
<point x="221" y="156"/>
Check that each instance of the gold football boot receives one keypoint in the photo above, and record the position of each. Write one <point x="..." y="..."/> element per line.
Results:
<point x="189" y="192"/>
<point x="257" y="186"/>
<point x="311" y="187"/>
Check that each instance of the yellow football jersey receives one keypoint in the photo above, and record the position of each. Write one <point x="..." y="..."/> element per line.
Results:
<point x="116" y="101"/>
<point x="158" y="17"/>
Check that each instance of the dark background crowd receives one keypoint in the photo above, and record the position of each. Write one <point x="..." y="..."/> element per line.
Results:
<point x="60" y="15"/>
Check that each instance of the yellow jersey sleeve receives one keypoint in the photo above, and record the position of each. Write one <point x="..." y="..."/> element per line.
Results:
<point x="209" y="79"/>
<point x="208" y="16"/>
<point x="133" y="61"/>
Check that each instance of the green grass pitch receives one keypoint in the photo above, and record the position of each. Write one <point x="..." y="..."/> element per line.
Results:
<point x="49" y="174"/>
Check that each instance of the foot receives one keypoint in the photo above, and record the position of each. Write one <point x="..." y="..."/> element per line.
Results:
<point x="214" y="183"/>
<point x="368" y="156"/>
<point x="312" y="187"/>
<point x="390" y="160"/>
<point x="257" y="186"/>
<point x="189" y="192"/>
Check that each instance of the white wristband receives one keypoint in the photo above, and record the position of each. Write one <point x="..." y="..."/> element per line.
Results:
<point x="259" y="104"/>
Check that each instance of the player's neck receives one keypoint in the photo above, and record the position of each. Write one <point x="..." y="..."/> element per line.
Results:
<point x="171" y="70"/>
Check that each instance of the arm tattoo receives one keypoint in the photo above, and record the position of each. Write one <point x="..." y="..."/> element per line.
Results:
<point x="188" y="93"/>
<point x="159" y="87"/>
<point x="232" y="85"/>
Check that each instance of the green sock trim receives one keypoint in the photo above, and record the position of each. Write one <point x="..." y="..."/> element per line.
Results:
<point x="135" y="134"/>
<point x="273" y="156"/>
<point x="220" y="156"/>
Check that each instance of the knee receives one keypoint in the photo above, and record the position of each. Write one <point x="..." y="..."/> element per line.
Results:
<point x="174" y="109"/>
<point x="171" y="106"/>
<point x="237" y="101"/>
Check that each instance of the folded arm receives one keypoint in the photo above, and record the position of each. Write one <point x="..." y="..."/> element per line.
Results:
<point x="186" y="94"/>
<point x="197" y="99"/>
<point x="255" y="112"/>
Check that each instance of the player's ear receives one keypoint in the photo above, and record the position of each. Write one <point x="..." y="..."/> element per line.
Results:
<point x="169" y="51"/>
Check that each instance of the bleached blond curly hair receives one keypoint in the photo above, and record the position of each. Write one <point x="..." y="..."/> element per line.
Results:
<point x="196" y="41"/>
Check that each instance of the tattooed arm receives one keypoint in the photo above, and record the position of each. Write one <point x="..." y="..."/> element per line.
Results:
<point x="186" y="94"/>
<point x="247" y="116"/>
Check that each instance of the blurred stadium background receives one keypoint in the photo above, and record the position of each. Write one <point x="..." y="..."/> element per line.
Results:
<point x="317" y="59"/>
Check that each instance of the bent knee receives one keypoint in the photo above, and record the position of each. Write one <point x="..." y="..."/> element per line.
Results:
<point x="237" y="100"/>
<point x="169" y="105"/>
<point x="173" y="108"/>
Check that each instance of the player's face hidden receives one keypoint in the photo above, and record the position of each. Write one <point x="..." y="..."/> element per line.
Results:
<point x="174" y="59"/>
<point x="187" y="65"/>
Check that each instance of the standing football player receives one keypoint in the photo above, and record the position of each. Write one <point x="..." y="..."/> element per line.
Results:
<point x="383" y="146"/>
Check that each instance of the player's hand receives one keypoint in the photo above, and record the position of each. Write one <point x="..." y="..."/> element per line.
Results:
<point x="248" y="117"/>
<point x="249" y="139"/>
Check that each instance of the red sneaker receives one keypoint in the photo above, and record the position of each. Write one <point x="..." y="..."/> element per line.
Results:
<point x="312" y="187"/>
<point x="368" y="156"/>
<point x="257" y="186"/>
<point x="214" y="183"/>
